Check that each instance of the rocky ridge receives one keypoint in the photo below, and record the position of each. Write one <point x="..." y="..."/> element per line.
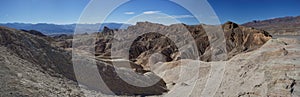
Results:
<point x="250" y="69"/>
<point x="147" y="38"/>
<point x="32" y="66"/>
<point x="278" y="26"/>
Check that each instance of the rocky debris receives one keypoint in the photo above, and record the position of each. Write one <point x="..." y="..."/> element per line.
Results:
<point x="107" y="31"/>
<point x="62" y="41"/>
<point x="37" y="50"/>
<point x="64" y="44"/>
<point x="262" y="72"/>
<point x="285" y="52"/>
<point x="20" y="77"/>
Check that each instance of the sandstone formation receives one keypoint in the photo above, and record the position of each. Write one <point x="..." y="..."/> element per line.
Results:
<point x="146" y="39"/>
<point x="267" y="72"/>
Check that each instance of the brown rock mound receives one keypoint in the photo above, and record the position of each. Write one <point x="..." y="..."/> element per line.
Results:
<point x="146" y="39"/>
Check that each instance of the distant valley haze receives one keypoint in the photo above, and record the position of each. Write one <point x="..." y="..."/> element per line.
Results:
<point x="50" y="29"/>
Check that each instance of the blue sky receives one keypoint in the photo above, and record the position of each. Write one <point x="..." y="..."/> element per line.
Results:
<point x="164" y="11"/>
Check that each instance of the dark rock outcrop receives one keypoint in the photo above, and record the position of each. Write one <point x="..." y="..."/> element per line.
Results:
<point x="34" y="32"/>
<point x="242" y="39"/>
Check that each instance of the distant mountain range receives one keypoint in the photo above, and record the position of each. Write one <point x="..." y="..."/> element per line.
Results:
<point x="50" y="29"/>
<point x="278" y="26"/>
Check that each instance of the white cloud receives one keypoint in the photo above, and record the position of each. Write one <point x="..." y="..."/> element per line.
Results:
<point x="130" y="12"/>
<point x="151" y="12"/>
<point x="182" y="16"/>
<point x="179" y="16"/>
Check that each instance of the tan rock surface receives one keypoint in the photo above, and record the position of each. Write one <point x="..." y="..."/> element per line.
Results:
<point x="268" y="71"/>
